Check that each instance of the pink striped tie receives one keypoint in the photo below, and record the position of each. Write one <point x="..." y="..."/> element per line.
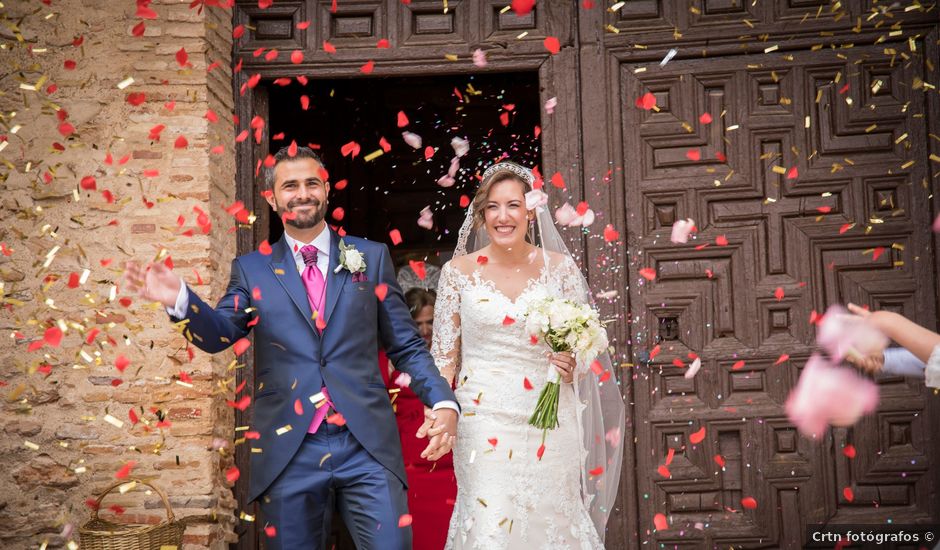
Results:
<point x="316" y="295"/>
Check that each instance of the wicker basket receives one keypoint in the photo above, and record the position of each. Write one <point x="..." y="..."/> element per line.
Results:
<point x="99" y="534"/>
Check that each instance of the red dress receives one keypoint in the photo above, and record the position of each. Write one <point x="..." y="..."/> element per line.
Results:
<point x="432" y="487"/>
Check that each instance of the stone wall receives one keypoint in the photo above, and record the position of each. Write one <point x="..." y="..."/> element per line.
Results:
<point x="90" y="180"/>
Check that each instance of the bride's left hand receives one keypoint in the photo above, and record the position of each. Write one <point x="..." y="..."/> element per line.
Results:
<point x="564" y="363"/>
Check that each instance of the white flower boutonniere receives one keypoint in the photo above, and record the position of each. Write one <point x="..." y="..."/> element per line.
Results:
<point x="351" y="260"/>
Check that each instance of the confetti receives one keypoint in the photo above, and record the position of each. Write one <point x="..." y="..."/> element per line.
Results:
<point x="526" y="384"/>
<point x="232" y="474"/>
<point x="412" y="139"/>
<point x="381" y="290"/>
<point x="241" y="345"/>
<point x="749" y="503"/>
<point x="404" y="520"/>
<point x="646" y="101"/>
<point x="693" y="368"/>
<point x="648" y="273"/>
<point x="849" y="451"/>
<point x="681" y="229"/>
<point x="669" y="55"/>
<point x="611" y="234"/>
<point x="698" y="436"/>
<point x="659" y="522"/>
<point x="552" y="45"/>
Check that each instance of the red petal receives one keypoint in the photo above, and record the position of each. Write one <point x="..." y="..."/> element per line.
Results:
<point x="659" y="522"/>
<point x="646" y="101"/>
<point x="53" y="336"/>
<point x="507" y="320"/>
<point x="558" y="180"/>
<point x="328" y="48"/>
<point x="181" y="143"/>
<point x="782" y="359"/>
<point x="241" y="345"/>
<point x="121" y="363"/>
<point x="402" y="119"/>
<point x="265" y="248"/>
<point x="648" y="273"/>
<point x="298" y="407"/>
<point x="88" y="183"/>
<point x="381" y="290"/>
<point x="721" y="240"/>
<point x="720" y="461"/>
<point x="382" y="43"/>
<point x="297" y="57"/>
<point x="182" y="57"/>
<point x="693" y="154"/>
<point x="596" y="471"/>
<point x="522" y="7"/>
<point x="404" y="520"/>
<point x="738" y="365"/>
<point x="749" y="503"/>
<point x="663" y="471"/>
<point x="849" y="451"/>
<point x="698" y="436"/>
<point x="705" y="118"/>
<point x="526" y="384"/>
<point x="848" y="494"/>
<point x="395" y="235"/>
<point x="611" y="234"/>
<point x="368" y="67"/>
<point x="551" y="44"/>
<point x="778" y="293"/>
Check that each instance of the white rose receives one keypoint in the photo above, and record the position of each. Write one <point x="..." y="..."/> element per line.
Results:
<point x="354" y="261"/>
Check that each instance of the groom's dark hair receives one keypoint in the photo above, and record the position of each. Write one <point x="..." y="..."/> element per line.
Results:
<point x="283" y="155"/>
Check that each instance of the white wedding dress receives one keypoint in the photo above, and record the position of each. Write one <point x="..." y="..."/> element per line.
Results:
<point x="506" y="496"/>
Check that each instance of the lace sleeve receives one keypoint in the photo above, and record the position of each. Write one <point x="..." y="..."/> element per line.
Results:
<point x="445" y="345"/>
<point x="571" y="281"/>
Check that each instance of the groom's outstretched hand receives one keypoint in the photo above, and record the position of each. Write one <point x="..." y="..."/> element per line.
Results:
<point x="154" y="282"/>
<point x="441" y="427"/>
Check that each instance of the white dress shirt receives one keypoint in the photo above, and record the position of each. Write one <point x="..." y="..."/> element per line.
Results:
<point x="322" y="242"/>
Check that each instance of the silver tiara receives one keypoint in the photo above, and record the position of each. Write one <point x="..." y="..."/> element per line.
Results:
<point x="523" y="173"/>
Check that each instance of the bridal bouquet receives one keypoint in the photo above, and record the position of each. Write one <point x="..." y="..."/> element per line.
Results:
<point x="565" y="326"/>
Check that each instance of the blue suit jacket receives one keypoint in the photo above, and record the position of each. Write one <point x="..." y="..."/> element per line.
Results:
<point x="293" y="361"/>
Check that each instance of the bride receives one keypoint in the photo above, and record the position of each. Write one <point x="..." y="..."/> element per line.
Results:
<point x="513" y="491"/>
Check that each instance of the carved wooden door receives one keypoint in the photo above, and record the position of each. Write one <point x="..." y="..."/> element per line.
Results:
<point x="809" y="177"/>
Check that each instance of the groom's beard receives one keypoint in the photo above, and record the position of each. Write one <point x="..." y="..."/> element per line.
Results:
<point x="303" y="220"/>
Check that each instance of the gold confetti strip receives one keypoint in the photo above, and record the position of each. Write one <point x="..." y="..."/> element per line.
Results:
<point x="483" y="502"/>
<point x="30" y="445"/>
<point x="246" y="517"/>
<point x="447" y="56"/>
<point x="125" y="487"/>
<point x="125" y="83"/>
<point x="325" y="458"/>
<point x="378" y="152"/>
<point x="283" y="429"/>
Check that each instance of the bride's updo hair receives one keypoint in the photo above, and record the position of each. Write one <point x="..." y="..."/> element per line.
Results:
<point x="497" y="173"/>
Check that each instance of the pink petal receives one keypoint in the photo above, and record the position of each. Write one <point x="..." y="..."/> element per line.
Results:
<point x="681" y="230"/>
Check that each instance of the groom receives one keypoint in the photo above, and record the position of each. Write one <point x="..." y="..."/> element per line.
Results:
<point x="320" y="306"/>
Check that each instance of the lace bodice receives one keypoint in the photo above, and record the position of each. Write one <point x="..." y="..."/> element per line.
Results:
<point x="493" y="323"/>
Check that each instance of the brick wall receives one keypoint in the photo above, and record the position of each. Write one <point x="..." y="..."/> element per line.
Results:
<point x="57" y="448"/>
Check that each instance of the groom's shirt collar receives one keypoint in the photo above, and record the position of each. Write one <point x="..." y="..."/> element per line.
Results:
<point x="322" y="242"/>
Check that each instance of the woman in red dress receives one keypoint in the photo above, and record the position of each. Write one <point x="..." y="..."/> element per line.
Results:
<point x="432" y="487"/>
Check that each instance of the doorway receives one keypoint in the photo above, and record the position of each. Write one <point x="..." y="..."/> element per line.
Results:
<point x="377" y="192"/>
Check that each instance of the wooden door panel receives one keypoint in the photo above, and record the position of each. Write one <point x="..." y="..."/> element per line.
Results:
<point x="806" y="188"/>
